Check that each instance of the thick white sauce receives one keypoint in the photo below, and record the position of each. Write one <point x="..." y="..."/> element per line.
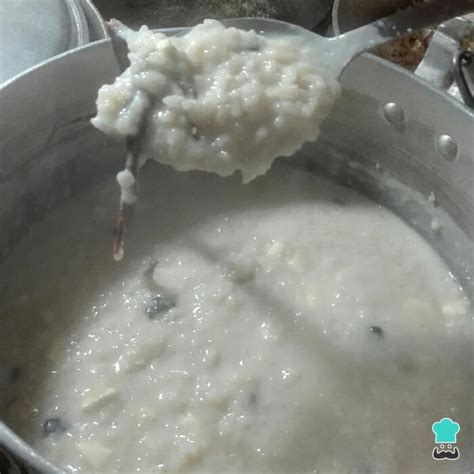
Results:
<point x="301" y="328"/>
<point x="217" y="99"/>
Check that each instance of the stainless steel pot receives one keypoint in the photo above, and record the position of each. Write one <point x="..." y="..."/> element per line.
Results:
<point x="391" y="135"/>
<point x="65" y="24"/>
<point x="440" y="64"/>
<point x="168" y="13"/>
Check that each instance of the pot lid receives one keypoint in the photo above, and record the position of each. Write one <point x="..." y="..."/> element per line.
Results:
<point x="32" y="31"/>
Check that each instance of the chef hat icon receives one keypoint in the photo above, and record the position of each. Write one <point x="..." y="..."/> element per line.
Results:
<point x="445" y="430"/>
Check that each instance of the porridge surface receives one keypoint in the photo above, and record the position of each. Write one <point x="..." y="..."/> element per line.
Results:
<point x="290" y="325"/>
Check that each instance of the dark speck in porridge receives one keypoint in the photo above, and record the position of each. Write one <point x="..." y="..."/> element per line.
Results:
<point x="159" y="307"/>
<point x="54" y="425"/>
<point x="377" y="331"/>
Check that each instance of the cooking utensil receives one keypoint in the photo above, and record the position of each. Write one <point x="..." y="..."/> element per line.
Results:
<point x="436" y="63"/>
<point x="389" y="132"/>
<point x="334" y="53"/>
<point x="97" y="26"/>
<point x="348" y="15"/>
<point x="166" y="13"/>
<point x="126" y="208"/>
<point x="463" y="57"/>
<point x="32" y="31"/>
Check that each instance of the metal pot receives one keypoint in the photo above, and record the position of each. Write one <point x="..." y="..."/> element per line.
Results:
<point x="444" y="64"/>
<point x="391" y="135"/>
<point x="168" y="13"/>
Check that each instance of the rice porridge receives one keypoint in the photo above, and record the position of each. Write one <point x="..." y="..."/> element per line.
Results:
<point x="217" y="99"/>
<point x="290" y="325"/>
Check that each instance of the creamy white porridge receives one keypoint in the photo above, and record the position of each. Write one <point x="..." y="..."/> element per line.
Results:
<point x="217" y="99"/>
<point x="290" y="325"/>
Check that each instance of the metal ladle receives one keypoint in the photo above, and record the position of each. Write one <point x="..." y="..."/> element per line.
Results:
<point x="334" y="54"/>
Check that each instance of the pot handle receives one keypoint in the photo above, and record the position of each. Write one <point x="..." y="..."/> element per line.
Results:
<point x="462" y="58"/>
<point x="444" y="62"/>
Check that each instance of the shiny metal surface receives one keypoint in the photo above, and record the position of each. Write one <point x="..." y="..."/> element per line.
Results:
<point x="350" y="14"/>
<point x="33" y="31"/>
<point x="463" y="72"/>
<point x="169" y="13"/>
<point x="334" y="54"/>
<point x="436" y="66"/>
<point x="97" y="27"/>
<point x="394" y="114"/>
<point x="48" y="151"/>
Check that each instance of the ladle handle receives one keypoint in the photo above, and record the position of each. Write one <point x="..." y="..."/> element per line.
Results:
<point x="400" y="23"/>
